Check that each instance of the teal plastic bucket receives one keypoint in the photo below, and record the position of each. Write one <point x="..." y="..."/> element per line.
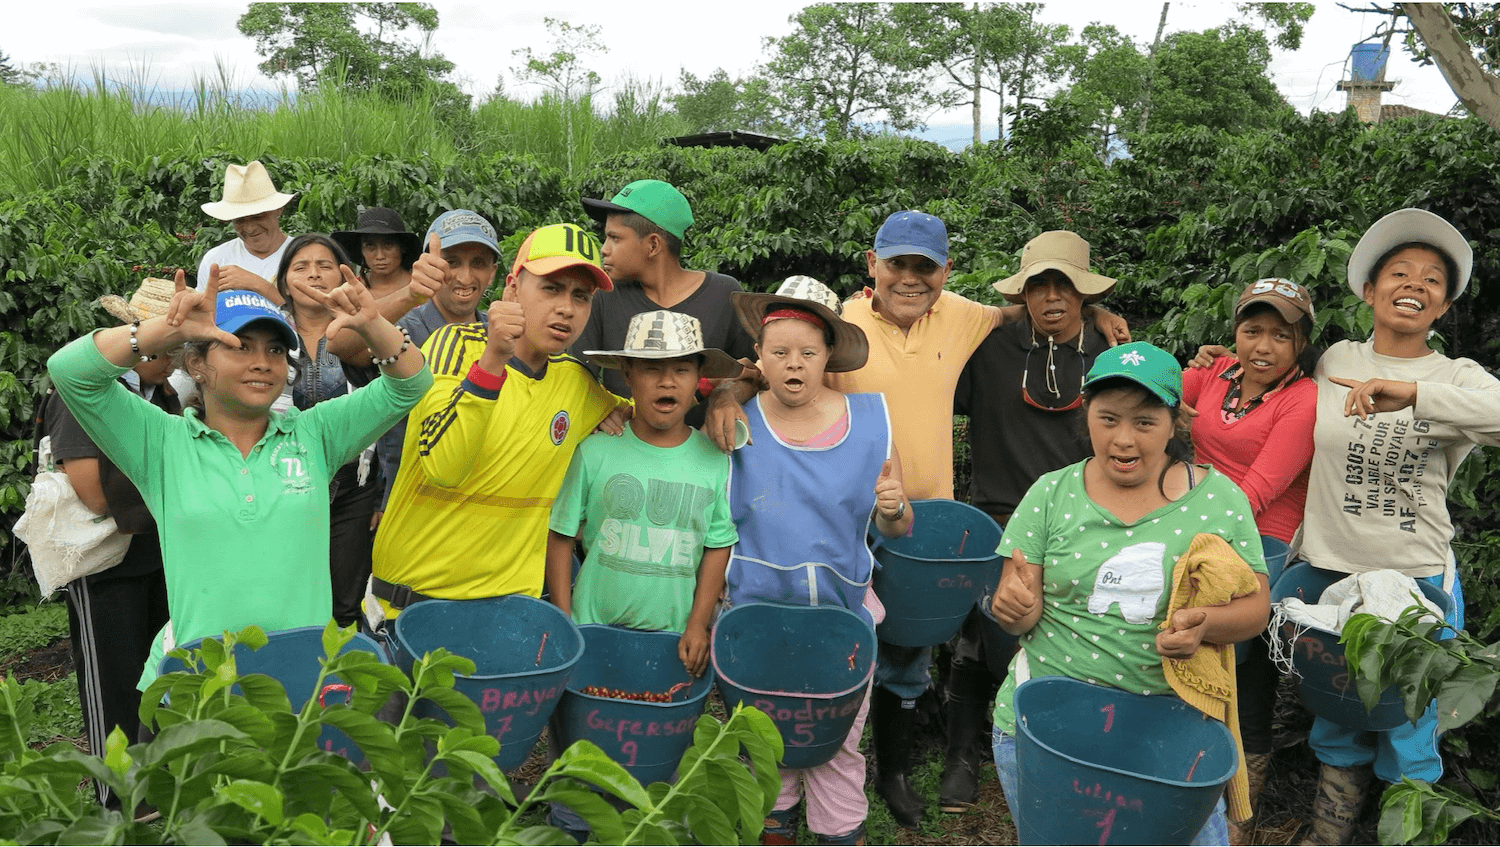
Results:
<point x="930" y="579"/>
<point x="1098" y="765"/>
<point x="807" y="667"/>
<point x="523" y="650"/>
<point x="999" y="645"/>
<point x="1318" y="658"/>
<point x="292" y="658"/>
<point x="1275" y="551"/>
<point x="647" y="738"/>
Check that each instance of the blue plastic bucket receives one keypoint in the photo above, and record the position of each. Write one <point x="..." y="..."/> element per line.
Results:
<point x="291" y="657"/>
<point x="999" y="645"/>
<point x="523" y="650"/>
<point x="930" y="579"/>
<point x="1275" y="551"/>
<point x="1323" y="679"/>
<point x="1099" y="765"/>
<point x="807" y="667"/>
<point x="647" y="738"/>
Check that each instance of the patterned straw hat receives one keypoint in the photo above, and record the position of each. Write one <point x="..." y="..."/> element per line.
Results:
<point x="848" y="346"/>
<point x="151" y="300"/>
<point x="665" y="334"/>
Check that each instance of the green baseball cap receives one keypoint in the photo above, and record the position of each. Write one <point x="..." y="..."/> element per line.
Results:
<point x="652" y="199"/>
<point x="1150" y="367"/>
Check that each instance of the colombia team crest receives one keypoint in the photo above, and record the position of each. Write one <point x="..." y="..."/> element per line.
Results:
<point x="559" y="427"/>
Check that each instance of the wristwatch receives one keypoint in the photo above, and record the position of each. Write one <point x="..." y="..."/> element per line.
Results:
<point x="900" y="511"/>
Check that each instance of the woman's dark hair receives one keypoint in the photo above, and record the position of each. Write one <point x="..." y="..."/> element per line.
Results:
<point x="1179" y="448"/>
<point x="1308" y="356"/>
<point x="291" y="252"/>
<point x="1450" y="267"/>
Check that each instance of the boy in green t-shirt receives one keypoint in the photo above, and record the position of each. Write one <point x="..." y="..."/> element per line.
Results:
<point x="652" y="505"/>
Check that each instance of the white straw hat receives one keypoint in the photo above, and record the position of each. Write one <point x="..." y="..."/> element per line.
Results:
<point x="1400" y="227"/>
<point x="151" y="300"/>
<point x="248" y="190"/>
<point x="664" y="334"/>
<point x="849" y="346"/>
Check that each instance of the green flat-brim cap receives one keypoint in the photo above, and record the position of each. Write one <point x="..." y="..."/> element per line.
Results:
<point x="1146" y="365"/>
<point x="652" y="199"/>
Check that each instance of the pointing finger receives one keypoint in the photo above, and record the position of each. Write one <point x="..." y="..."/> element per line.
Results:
<point x="349" y="277"/>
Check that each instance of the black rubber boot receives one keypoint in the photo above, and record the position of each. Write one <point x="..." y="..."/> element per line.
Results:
<point x="970" y="686"/>
<point x="893" y="724"/>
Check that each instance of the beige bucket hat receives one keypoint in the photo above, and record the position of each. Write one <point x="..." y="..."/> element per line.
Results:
<point x="248" y="190"/>
<point x="1056" y="250"/>
<point x="664" y="334"/>
<point x="151" y="300"/>
<point x="850" y="347"/>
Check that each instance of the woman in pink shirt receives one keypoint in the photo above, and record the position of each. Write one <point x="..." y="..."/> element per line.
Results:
<point x="1254" y="423"/>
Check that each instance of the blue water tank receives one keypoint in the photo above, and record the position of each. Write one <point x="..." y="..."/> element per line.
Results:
<point x="1368" y="61"/>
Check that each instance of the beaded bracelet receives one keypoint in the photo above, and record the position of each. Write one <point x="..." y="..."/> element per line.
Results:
<point x="135" y="346"/>
<point x="405" y="343"/>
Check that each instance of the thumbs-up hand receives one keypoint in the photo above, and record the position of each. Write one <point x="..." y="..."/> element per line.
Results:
<point x="430" y="271"/>
<point x="1019" y="596"/>
<point x="1182" y="633"/>
<point x="889" y="495"/>
<point x="507" y="324"/>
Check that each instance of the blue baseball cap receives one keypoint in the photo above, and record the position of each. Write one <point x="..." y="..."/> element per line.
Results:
<point x="912" y="233"/>
<point x="237" y="309"/>
<point x="462" y="226"/>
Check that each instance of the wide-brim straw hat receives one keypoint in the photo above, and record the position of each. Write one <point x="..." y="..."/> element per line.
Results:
<point x="151" y="300"/>
<point x="849" y="348"/>
<point x="385" y="223"/>
<point x="1403" y="226"/>
<point x="1056" y="250"/>
<point x="248" y="190"/>
<point x="664" y="334"/>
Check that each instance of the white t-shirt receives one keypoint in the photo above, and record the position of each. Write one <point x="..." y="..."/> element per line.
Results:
<point x="1377" y="496"/>
<point x="233" y="252"/>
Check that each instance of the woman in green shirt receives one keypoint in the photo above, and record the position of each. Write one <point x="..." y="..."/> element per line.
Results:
<point x="239" y="493"/>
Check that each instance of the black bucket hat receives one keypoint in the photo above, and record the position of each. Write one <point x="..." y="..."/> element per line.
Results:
<point x="380" y="221"/>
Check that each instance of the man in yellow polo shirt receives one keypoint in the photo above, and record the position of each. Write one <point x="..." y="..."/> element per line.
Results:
<point x="487" y="447"/>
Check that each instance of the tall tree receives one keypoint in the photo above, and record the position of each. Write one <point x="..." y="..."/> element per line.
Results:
<point x="9" y="74"/>
<point x="563" y="71"/>
<point x="1284" y="21"/>
<point x="1110" y="77"/>
<point x="848" y="66"/>
<point x="1216" y="78"/>
<point x="716" y="102"/>
<point x="361" y="45"/>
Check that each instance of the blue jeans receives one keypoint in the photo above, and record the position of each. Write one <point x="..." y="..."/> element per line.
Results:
<point x="903" y="671"/>
<point x="1214" y="832"/>
<point x="1408" y="750"/>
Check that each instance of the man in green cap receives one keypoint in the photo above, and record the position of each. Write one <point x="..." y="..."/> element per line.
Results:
<point x="642" y="251"/>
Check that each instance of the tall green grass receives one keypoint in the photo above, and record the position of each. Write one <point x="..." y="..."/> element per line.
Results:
<point x="45" y="132"/>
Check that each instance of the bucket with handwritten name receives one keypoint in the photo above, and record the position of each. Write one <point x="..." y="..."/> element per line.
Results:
<point x="1323" y="680"/>
<point x="523" y="650"/>
<point x="931" y="577"/>
<point x="807" y="667"/>
<point x="631" y="696"/>
<point x="292" y="658"/>
<point x="1276" y="552"/>
<point x="1098" y="765"/>
<point x="999" y="645"/>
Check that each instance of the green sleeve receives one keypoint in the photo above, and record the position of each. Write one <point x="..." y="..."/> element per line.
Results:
<point x="349" y="424"/>
<point x="721" y="531"/>
<point x="1027" y="529"/>
<point x="127" y="428"/>
<point x="568" y="507"/>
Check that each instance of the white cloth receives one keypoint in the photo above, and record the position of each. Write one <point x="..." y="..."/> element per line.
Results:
<point x="1384" y="594"/>
<point x="233" y="252"/>
<point x="67" y="541"/>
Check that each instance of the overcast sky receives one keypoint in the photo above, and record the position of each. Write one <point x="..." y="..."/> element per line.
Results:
<point x="651" y="39"/>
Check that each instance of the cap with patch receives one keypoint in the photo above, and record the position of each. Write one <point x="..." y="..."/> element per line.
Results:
<point x="652" y="199"/>
<point x="235" y="310"/>
<point x="1291" y="300"/>
<point x="462" y="226"/>
<point x="557" y="246"/>
<point x="664" y="334"/>
<point x="912" y="233"/>
<point x="1146" y="365"/>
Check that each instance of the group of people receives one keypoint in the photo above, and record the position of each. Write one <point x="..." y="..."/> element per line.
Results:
<point x="354" y="443"/>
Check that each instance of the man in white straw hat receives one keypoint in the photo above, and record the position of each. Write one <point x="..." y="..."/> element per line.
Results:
<point x="253" y="206"/>
<point x="114" y="615"/>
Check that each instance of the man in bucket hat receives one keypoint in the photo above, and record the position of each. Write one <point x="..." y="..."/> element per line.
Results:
<point x="489" y="444"/>
<point x="644" y="225"/>
<point x="1023" y="392"/>
<point x="253" y="206"/>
